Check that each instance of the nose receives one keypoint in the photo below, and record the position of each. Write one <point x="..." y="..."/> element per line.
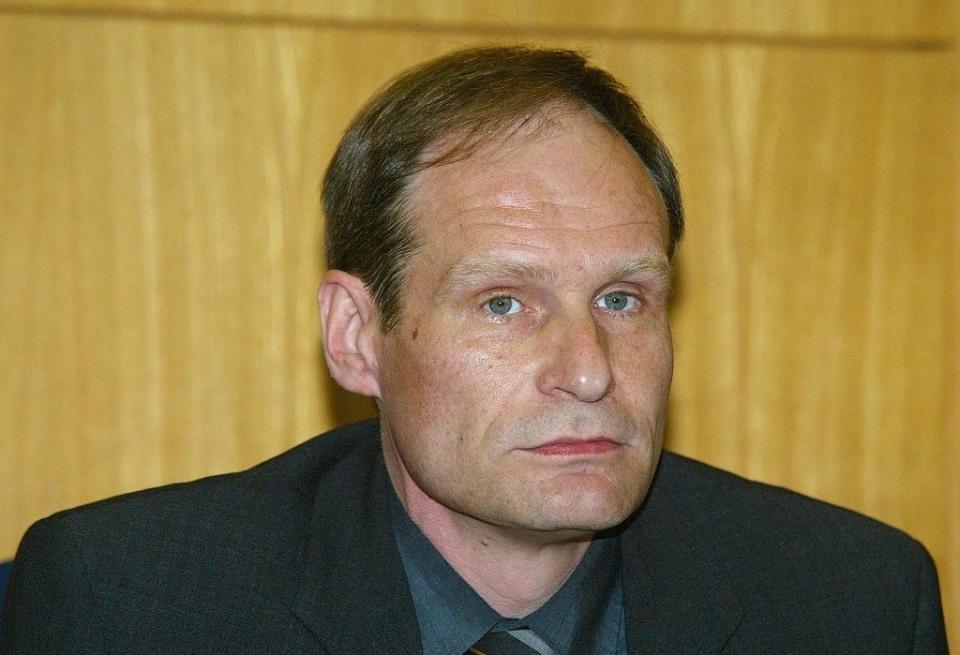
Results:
<point x="576" y="361"/>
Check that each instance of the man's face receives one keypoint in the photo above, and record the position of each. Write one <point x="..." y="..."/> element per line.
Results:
<point x="526" y="382"/>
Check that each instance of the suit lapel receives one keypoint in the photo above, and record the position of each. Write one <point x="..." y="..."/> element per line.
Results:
<point x="353" y="593"/>
<point x="678" y="597"/>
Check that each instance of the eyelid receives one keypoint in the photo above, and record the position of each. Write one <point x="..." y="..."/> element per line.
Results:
<point x="497" y="292"/>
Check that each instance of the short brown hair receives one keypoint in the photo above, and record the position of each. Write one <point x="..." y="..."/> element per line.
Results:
<point x="476" y="93"/>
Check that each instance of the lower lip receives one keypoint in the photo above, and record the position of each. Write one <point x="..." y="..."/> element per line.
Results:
<point x="569" y="448"/>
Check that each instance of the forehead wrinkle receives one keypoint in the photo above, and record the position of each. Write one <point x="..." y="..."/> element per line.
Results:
<point x="536" y="225"/>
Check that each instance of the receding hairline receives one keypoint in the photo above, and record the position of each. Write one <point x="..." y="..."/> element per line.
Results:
<point x="462" y="145"/>
<point x="466" y="142"/>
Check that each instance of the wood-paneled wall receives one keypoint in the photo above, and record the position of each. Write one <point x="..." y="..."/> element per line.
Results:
<point x="159" y="234"/>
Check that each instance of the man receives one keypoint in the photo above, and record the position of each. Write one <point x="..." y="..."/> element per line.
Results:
<point x="500" y="224"/>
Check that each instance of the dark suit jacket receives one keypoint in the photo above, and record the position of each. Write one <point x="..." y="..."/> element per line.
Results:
<point x="297" y="555"/>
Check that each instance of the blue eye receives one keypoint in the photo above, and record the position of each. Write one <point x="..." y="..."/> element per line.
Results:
<point x="503" y="305"/>
<point x="617" y="301"/>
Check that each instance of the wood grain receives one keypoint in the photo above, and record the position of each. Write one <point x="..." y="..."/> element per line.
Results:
<point x="159" y="254"/>
<point x="928" y="23"/>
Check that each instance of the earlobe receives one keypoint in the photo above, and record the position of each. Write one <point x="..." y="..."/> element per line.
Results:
<point x="349" y="318"/>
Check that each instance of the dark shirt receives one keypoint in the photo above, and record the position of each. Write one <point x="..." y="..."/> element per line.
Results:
<point x="584" y="616"/>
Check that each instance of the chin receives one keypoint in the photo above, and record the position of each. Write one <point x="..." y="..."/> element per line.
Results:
<point x="577" y="522"/>
<point x="588" y="509"/>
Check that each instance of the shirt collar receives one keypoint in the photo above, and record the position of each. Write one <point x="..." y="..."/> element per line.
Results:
<point x="452" y="616"/>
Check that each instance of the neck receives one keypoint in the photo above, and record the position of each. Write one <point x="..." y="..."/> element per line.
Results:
<point x="515" y="571"/>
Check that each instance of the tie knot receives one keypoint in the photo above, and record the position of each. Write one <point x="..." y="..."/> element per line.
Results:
<point x="511" y="637"/>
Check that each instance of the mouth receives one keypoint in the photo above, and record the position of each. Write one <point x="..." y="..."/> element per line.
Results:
<point x="569" y="447"/>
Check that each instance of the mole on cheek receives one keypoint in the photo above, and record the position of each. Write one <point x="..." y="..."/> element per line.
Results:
<point x="415" y="334"/>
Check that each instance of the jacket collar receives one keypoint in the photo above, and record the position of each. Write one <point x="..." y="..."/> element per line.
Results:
<point x="678" y="597"/>
<point x="353" y="593"/>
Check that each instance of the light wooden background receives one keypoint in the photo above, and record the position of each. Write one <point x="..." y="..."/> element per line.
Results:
<point x="159" y="236"/>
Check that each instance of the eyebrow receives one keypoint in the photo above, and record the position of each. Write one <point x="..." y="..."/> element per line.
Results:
<point x="464" y="274"/>
<point x="656" y="264"/>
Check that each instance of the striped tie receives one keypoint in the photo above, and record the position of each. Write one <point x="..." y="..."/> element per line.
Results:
<point x="518" y="641"/>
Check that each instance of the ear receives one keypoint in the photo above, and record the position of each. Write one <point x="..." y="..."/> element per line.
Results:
<point x="351" y="332"/>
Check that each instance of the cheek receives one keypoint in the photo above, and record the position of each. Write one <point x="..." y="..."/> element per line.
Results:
<point x="645" y="364"/>
<point x="459" y="387"/>
<point x="427" y="378"/>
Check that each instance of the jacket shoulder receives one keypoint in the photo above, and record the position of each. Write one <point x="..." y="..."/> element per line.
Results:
<point x="804" y="569"/>
<point x="283" y="482"/>
<point x="748" y="507"/>
<point x="204" y="555"/>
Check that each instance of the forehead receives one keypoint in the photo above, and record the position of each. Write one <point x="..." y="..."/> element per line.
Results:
<point x="553" y="186"/>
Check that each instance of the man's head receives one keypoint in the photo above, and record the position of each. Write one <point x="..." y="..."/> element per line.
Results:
<point x="522" y="374"/>
<point x="439" y="112"/>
